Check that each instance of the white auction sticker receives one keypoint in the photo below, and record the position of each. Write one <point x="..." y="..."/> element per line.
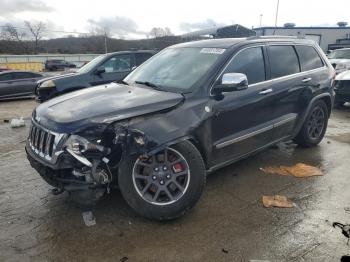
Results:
<point x="218" y="51"/>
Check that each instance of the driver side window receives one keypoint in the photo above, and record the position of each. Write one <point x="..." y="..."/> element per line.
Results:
<point x="250" y="62"/>
<point x="116" y="64"/>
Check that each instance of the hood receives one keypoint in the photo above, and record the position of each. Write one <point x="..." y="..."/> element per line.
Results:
<point x="57" y="77"/>
<point x="343" y="76"/>
<point x="339" y="61"/>
<point x="104" y="104"/>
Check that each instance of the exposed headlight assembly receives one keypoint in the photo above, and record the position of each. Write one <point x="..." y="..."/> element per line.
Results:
<point x="77" y="146"/>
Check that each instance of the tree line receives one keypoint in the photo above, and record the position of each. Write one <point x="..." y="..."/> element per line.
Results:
<point x="30" y="39"/>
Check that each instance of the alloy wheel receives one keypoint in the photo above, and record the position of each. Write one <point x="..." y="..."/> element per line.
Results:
<point x="162" y="178"/>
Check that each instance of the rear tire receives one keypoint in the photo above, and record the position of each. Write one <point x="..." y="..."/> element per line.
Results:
<point x="163" y="195"/>
<point x="339" y="104"/>
<point x="314" y="127"/>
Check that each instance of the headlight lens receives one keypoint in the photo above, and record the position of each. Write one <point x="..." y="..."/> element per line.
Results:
<point x="47" y="84"/>
<point x="80" y="145"/>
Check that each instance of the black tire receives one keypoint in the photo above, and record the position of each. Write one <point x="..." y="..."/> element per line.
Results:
<point x="305" y="137"/>
<point x="339" y="104"/>
<point x="173" y="210"/>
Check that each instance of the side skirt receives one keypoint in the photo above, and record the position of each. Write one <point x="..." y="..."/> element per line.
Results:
<point x="229" y="162"/>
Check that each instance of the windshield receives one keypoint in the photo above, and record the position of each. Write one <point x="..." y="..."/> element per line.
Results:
<point x="89" y="66"/>
<point x="340" y="54"/>
<point x="175" y="69"/>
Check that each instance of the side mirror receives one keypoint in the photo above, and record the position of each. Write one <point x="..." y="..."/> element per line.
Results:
<point x="231" y="82"/>
<point x="100" y="70"/>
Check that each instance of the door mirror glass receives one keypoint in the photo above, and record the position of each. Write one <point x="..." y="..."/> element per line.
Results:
<point x="100" y="70"/>
<point x="231" y="82"/>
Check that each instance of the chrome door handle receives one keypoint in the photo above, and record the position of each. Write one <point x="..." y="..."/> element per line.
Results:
<point x="305" y="80"/>
<point x="266" y="91"/>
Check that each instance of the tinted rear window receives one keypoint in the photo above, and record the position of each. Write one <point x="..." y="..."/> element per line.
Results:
<point x="309" y="58"/>
<point x="141" y="57"/>
<point x="5" y="77"/>
<point x="283" y="61"/>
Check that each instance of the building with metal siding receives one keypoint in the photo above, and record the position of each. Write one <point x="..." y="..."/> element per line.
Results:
<point x="232" y="31"/>
<point x="328" y="38"/>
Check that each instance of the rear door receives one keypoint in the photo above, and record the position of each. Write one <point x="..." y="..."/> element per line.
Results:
<point x="296" y="73"/>
<point x="116" y="68"/>
<point x="287" y="86"/>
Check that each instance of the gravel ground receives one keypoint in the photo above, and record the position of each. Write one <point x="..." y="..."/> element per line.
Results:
<point x="228" y="224"/>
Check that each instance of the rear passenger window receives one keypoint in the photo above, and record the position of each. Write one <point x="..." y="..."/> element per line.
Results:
<point x="249" y="62"/>
<point x="141" y="57"/>
<point x="309" y="58"/>
<point x="283" y="61"/>
<point x="22" y="75"/>
<point x="5" y="77"/>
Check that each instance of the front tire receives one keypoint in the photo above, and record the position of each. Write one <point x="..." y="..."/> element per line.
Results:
<point x="165" y="185"/>
<point x="314" y="127"/>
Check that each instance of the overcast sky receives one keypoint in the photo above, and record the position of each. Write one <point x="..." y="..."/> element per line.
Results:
<point x="134" y="18"/>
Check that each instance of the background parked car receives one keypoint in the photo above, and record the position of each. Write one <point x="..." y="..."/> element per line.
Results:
<point x="340" y="59"/>
<point x="54" y="65"/>
<point x="342" y="88"/>
<point x="15" y="84"/>
<point x="101" y="70"/>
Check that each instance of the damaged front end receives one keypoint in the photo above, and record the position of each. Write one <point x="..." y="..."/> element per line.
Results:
<point x="85" y="164"/>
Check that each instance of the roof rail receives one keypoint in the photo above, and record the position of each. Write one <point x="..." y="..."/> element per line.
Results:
<point x="276" y="37"/>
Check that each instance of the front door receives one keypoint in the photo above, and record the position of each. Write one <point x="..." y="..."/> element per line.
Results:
<point x="243" y="120"/>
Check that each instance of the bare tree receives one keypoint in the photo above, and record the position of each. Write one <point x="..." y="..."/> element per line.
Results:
<point x="160" y="32"/>
<point x="10" y="33"/>
<point x="168" y="31"/>
<point x="36" y="30"/>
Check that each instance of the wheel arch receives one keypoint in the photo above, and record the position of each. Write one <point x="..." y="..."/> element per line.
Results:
<point x="326" y="97"/>
<point x="191" y="139"/>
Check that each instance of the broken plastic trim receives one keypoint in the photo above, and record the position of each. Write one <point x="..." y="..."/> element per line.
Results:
<point x="81" y="159"/>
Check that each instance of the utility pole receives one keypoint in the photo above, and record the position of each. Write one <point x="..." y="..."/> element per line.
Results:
<point x="106" y="51"/>
<point x="261" y="16"/>
<point x="278" y="3"/>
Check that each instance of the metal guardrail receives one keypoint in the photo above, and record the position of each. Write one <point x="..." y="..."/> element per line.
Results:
<point x="36" y="62"/>
<point x="42" y="58"/>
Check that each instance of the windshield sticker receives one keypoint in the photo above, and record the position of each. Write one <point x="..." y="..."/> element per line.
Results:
<point x="218" y="51"/>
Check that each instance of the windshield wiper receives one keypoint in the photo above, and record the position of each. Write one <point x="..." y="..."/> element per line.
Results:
<point x="122" y="82"/>
<point x="147" y="83"/>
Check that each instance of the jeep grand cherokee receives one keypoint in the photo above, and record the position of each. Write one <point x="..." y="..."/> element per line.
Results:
<point x="189" y="110"/>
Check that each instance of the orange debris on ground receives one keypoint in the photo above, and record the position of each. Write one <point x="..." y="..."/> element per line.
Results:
<point x="298" y="170"/>
<point x="277" y="201"/>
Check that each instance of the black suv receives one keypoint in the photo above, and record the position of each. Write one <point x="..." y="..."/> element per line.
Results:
<point x="56" y="64"/>
<point x="103" y="69"/>
<point x="189" y="110"/>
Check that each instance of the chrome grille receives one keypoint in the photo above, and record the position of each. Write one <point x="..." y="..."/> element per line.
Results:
<point x="45" y="143"/>
<point x="41" y="141"/>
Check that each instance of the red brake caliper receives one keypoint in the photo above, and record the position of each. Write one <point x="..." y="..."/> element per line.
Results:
<point x="177" y="168"/>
